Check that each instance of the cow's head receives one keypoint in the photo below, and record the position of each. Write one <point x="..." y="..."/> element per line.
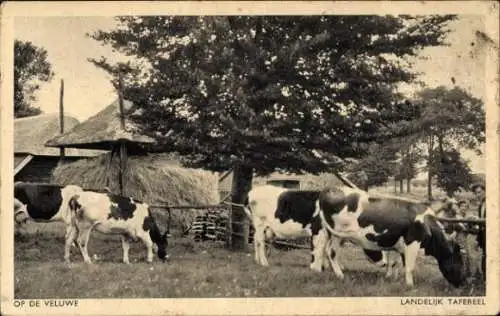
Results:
<point x="449" y="254"/>
<point x="20" y="212"/>
<point x="162" y="244"/>
<point x="159" y="239"/>
<point x="453" y="267"/>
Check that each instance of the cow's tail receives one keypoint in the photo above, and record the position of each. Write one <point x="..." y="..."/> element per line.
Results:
<point x="74" y="207"/>
<point x="325" y="224"/>
<point x="248" y="210"/>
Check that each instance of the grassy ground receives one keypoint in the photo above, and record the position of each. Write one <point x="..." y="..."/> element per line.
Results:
<point x="203" y="270"/>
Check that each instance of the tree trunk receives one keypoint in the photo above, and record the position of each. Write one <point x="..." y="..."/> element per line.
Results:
<point x="430" y="148"/>
<point x="401" y="186"/>
<point x="409" y="169"/>
<point x="429" y="186"/>
<point x="395" y="185"/>
<point x="242" y="183"/>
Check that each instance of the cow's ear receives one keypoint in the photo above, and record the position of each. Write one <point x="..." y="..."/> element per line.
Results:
<point x="73" y="203"/>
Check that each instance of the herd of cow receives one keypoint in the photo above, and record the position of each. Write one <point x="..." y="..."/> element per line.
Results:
<point x="390" y="230"/>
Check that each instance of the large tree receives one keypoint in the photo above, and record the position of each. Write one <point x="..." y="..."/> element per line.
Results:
<point x="451" y="119"/>
<point x="31" y="67"/>
<point x="256" y="93"/>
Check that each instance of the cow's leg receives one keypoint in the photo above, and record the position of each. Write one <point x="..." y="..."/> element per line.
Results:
<point x="70" y="238"/>
<point x="83" y="240"/>
<point x="146" y="239"/>
<point x="411" y="252"/>
<point x="389" y="265"/>
<point x="319" y="243"/>
<point x="332" y="245"/>
<point x="82" y="244"/>
<point x="393" y="259"/>
<point x="262" y="251"/>
<point x="126" y="247"/>
<point x="256" y="244"/>
<point x="260" y="246"/>
<point x="385" y="259"/>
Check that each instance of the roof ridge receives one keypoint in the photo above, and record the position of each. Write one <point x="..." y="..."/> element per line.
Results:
<point x="43" y="115"/>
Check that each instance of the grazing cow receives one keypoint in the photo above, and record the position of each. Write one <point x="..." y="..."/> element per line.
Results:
<point x="390" y="223"/>
<point x="113" y="214"/>
<point x="282" y="213"/>
<point x="43" y="202"/>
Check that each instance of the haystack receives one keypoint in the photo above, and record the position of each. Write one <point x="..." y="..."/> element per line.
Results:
<point x="154" y="179"/>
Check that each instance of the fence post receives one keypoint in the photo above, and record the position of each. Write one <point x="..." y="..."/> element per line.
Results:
<point x="228" y="230"/>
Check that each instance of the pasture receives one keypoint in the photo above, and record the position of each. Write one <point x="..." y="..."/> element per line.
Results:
<point x="202" y="270"/>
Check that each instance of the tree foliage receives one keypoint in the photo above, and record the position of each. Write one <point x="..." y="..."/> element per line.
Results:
<point x="450" y="119"/>
<point x="298" y="93"/>
<point x="31" y="67"/>
<point x="376" y="167"/>
<point x="452" y="172"/>
<point x="453" y="117"/>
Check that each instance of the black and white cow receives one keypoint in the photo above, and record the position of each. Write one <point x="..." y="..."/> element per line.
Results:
<point x="113" y="214"/>
<point x="283" y="213"/>
<point x="390" y="223"/>
<point x="43" y="202"/>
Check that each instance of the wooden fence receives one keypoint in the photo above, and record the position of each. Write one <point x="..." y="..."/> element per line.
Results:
<point x="215" y="233"/>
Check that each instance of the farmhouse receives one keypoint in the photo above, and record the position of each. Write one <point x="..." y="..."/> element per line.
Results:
<point x="33" y="161"/>
<point x="286" y="180"/>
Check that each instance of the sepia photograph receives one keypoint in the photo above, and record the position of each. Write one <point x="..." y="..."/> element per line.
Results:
<point x="255" y="157"/>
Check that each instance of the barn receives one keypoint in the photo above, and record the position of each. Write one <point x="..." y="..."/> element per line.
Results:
<point x="33" y="161"/>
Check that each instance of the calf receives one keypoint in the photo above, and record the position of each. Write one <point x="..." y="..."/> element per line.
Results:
<point x="281" y="213"/>
<point x="386" y="223"/>
<point x="43" y="202"/>
<point x="113" y="214"/>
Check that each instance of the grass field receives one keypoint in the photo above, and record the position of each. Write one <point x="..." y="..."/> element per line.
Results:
<point x="203" y="270"/>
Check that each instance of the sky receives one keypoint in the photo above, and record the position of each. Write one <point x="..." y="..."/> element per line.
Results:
<point x="87" y="89"/>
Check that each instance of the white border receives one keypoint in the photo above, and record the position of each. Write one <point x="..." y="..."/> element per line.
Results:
<point x="250" y="306"/>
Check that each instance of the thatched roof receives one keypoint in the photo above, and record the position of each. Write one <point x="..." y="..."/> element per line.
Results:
<point x="31" y="133"/>
<point x="102" y="131"/>
<point x="153" y="179"/>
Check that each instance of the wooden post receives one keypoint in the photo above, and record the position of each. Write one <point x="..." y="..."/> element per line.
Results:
<point x="110" y="162"/>
<point x="123" y="146"/>
<point x="61" y="119"/>
<point x="120" y="102"/>
<point x="123" y="167"/>
<point x="242" y="183"/>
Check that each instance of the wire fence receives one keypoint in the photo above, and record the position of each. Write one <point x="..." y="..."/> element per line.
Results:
<point x="216" y="225"/>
